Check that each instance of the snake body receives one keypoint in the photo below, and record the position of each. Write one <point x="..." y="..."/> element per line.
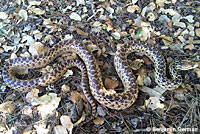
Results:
<point x="91" y="70"/>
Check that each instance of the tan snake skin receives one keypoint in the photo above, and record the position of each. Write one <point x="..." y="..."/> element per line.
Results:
<point x="109" y="99"/>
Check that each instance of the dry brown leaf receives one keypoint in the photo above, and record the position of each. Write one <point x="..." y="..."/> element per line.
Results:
<point x="47" y="38"/>
<point x="26" y="54"/>
<point x="59" y="129"/>
<point x="170" y="39"/>
<point x="37" y="11"/>
<point x="133" y="8"/>
<point x="167" y="43"/>
<point x="20" y="71"/>
<point x="1" y="50"/>
<point x="75" y="16"/>
<point x="160" y="3"/>
<point x="48" y="23"/>
<point x="38" y="35"/>
<point x="13" y="55"/>
<point x="140" y="80"/>
<point x="7" y="48"/>
<point x="154" y="103"/>
<point x="81" y="32"/>
<point x="111" y="84"/>
<point x="197" y="24"/>
<point x="41" y="129"/>
<point x="110" y="10"/>
<point x="3" y="15"/>
<point x="105" y="4"/>
<point x="7" y="107"/>
<point x="45" y="99"/>
<point x="185" y="32"/>
<point x="47" y="69"/>
<point x="136" y="64"/>
<point x="109" y="27"/>
<point x="151" y="16"/>
<point x="65" y="88"/>
<point x="176" y="21"/>
<point x="144" y="33"/>
<point x="36" y="48"/>
<point x="67" y="123"/>
<point x="92" y="47"/>
<point x="101" y="63"/>
<point x="134" y="1"/>
<point x="148" y="8"/>
<point x="189" y="18"/>
<point x="27" y="110"/>
<point x="48" y="101"/>
<point x="170" y="23"/>
<point x="112" y="2"/>
<point x="80" y="2"/>
<point x="68" y="73"/>
<point x="181" y="38"/>
<point x="147" y="81"/>
<point x="98" y="121"/>
<point x="3" y="127"/>
<point x="123" y="34"/>
<point x="34" y="2"/>
<point x="23" y="14"/>
<point x="99" y="53"/>
<point x="174" y="2"/>
<point x="75" y="96"/>
<point x="197" y="70"/>
<point x="191" y="39"/>
<point x="28" y="40"/>
<point x="155" y="92"/>
<point x="197" y="32"/>
<point x="167" y="40"/>
<point x="116" y="35"/>
<point x="179" y="94"/>
<point x="141" y="76"/>
<point x="147" y="61"/>
<point x="30" y="95"/>
<point x="190" y="47"/>
<point x="171" y="12"/>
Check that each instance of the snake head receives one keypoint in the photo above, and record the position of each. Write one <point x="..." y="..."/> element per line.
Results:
<point x="186" y="65"/>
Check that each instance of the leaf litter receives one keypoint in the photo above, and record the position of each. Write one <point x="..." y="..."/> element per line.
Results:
<point x="28" y="28"/>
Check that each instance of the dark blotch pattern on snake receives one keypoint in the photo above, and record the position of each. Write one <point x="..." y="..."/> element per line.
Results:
<point x="91" y="70"/>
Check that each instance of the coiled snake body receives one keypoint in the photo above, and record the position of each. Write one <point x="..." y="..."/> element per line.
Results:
<point x="91" y="72"/>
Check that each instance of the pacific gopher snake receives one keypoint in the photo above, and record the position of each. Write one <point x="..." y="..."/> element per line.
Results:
<point x="91" y="71"/>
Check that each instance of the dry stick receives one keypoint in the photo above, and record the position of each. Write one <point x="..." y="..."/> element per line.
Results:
<point x="99" y="10"/>
<point x="124" y="121"/>
<point x="186" y="116"/>
<point x="170" y="104"/>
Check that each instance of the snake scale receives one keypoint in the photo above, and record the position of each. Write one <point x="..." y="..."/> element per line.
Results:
<point x="91" y="72"/>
